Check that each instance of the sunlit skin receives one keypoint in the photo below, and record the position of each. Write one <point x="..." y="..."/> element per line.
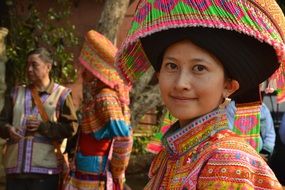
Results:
<point x="192" y="81"/>
<point x="38" y="74"/>
<point x="38" y="71"/>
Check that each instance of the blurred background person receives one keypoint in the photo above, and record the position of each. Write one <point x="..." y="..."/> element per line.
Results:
<point x="30" y="160"/>
<point x="105" y="136"/>
<point x="251" y="118"/>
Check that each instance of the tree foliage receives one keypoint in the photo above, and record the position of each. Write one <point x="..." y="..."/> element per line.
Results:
<point x="112" y="17"/>
<point x="36" y="28"/>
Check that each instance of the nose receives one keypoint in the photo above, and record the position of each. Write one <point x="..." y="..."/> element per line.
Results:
<point x="29" y="67"/>
<point x="183" y="81"/>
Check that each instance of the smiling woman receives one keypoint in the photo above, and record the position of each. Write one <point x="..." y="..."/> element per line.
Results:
<point x="208" y="51"/>
<point x="190" y="75"/>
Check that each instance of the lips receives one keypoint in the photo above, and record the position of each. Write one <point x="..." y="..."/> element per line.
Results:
<point x="30" y="76"/>
<point x="182" y="97"/>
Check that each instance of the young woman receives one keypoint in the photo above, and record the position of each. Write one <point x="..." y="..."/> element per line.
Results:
<point x="205" y="52"/>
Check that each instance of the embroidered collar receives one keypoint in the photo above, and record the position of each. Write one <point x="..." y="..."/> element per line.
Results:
<point x="180" y="140"/>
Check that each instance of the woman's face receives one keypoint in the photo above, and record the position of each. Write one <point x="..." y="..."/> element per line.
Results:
<point x="192" y="81"/>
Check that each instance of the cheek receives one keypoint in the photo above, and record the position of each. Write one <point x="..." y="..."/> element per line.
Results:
<point x="164" y="87"/>
<point x="212" y="90"/>
<point x="164" y="82"/>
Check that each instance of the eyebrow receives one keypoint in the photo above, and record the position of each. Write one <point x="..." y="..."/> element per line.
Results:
<point x="195" y="60"/>
<point x="170" y="58"/>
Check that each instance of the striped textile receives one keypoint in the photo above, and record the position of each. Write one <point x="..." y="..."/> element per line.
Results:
<point x="206" y="155"/>
<point x="262" y="19"/>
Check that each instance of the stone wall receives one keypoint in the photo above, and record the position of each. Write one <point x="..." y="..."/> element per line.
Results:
<point x="3" y="59"/>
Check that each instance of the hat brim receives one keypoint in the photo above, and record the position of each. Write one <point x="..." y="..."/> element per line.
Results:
<point x="245" y="59"/>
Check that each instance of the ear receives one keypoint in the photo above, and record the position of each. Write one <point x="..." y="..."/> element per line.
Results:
<point x="231" y="86"/>
<point x="49" y="66"/>
<point x="157" y="75"/>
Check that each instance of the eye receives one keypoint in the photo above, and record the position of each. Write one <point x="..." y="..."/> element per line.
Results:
<point x="199" y="68"/>
<point x="36" y="64"/>
<point x="170" y="66"/>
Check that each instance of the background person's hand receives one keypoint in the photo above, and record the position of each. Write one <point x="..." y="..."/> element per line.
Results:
<point x="14" y="134"/>
<point x="32" y="123"/>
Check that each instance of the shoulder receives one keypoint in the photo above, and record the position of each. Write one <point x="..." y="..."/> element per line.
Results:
<point x="107" y="94"/>
<point x="233" y="148"/>
<point x="62" y="90"/>
<point x="107" y="101"/>
<point x="61" y="87"/>
<point x="18" y="89"/>
<point x="107" y="91"/>
<point x="234" y="162"/>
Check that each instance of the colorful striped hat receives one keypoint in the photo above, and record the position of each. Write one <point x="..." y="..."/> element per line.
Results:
<point x="261" y="19"/>
<point x="98" y="57"/>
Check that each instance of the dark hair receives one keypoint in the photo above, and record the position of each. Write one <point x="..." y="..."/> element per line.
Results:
<point x="245" y="59"/>
<point x="43" y="53"/>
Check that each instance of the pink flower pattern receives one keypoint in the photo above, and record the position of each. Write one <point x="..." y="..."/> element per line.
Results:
<point x="165" y="5"/>
<point x="230" y="7"/>
<point x="201" y="5"/>
<point x="143" y="12"/>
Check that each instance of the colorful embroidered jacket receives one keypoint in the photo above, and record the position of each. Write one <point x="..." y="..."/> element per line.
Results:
<point x="205" y="154"/>
<point x="265" y="129"/>
<point x="36" y="154"/>
<point x="105" y="142"/>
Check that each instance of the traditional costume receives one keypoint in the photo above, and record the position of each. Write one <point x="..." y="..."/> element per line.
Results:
<point x="35" y="155"/>
<point x="105" y="139"/>
<point x="247" y="36"/>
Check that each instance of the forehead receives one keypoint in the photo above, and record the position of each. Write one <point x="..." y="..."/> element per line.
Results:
<point x="187" y="49"/>
<point x="35" y="58"/>
<point x="185" y="45"/>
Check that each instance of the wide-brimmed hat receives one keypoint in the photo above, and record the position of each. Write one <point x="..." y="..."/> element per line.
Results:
<point x="221" y="27"/>
<point x="98" y="57"/>
<point x="245" y="59"/>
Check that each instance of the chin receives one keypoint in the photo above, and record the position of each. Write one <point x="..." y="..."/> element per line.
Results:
<point x="185" y="116"/>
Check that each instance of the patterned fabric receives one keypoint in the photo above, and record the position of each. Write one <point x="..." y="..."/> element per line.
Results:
<point x="102" y="108"/>
<point x="33" y="154"/>
<point x="154" y="146"/>
<point x="206" y="155"/>
<point x="76" y="184"/>
<point x="105" y="141"/>
<point x="168" y="119"/>
<point x="267" y="132"/>
<point x="247" y="124"/>
<point x="98" y="56"/>
<point x="262" y="19"/>
<point x="266" y="138"/>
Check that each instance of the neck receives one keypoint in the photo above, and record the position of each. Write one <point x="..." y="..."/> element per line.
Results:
<point x="42" y="85"/>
